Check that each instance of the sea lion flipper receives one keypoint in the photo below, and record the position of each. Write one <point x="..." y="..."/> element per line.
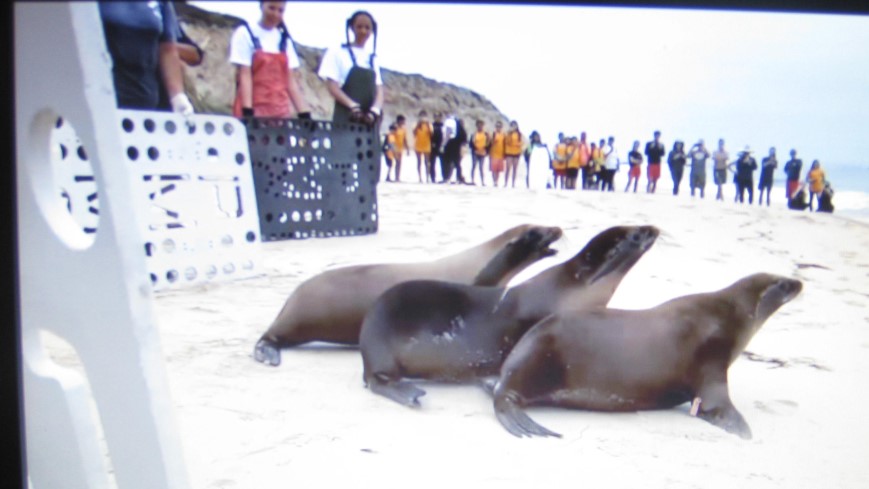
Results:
<point x="402" y="392"/>
<point x="727" y="418"/>
<point x="516" y="421"/>
<point x="266" y="351"/>
<point x="488" y="384"/>
<point x="717" y="409"/>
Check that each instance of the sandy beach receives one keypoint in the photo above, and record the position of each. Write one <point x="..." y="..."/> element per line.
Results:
<point x="311" y="423"/>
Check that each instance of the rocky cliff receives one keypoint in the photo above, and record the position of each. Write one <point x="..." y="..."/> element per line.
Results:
<point x="211" y="85"/>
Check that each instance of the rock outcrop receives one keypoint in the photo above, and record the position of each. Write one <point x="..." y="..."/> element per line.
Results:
<point x="211" y="85"/>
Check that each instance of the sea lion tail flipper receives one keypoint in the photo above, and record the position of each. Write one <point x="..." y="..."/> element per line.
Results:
<point x="728" y="419"/>
<point x="402" y="391"/>
<point x="267" y="351"/>
<point x="514" y="419"/>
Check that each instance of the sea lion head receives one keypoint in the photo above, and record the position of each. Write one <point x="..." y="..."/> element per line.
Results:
<point x="765" y="293"/>
<point x="531" y="245"/>
<point x="616" y="249"/>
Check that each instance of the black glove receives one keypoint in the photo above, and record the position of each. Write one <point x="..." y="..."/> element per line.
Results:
<point x="357" y="116"/>
<point x="246" y="112"/>
<point x="305" y="116"/>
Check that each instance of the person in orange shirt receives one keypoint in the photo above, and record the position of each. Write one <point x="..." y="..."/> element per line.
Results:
<point x="512" y="151"/>
<point x="559" y="162"/>
<point x="422" y="146"/>
<point x="479" y="143"/>
<point x="496" y="153"/>
<point x="584" y="158"/>
<point x="400" y="145"/>
<point x="815" y="179"/>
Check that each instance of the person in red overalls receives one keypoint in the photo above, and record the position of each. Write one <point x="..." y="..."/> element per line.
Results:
<point x="352" y="74"/>
<point x="265" y="58"/>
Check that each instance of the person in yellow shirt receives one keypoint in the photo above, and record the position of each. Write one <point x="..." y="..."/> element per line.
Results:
<point x="513" y="144"/>
<point x="389" y="150"/>
<point x="559" y="162"/>
<point x="496" y="153"/>
<point x="401" y="145"/>
<point x="422" y="146"/>
<point x="479" y="143"/>
<point x="815" y="179"/>
<point x="584" y="159"/>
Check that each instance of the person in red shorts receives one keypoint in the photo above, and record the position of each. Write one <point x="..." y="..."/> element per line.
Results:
<point x="654" y="154"/>
<point x="635" y="158"/>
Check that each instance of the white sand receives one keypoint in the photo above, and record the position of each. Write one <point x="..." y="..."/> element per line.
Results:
<point x="311" y="423"/>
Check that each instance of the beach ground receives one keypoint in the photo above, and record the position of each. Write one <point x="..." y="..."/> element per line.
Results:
<point x="311" y="423"/>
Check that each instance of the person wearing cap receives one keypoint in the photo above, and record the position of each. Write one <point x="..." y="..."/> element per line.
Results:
<point x="792" y="169"/>
<point x="744" y="178"/>
<point x="767" y="167"/>
<point x="654" y="153"/>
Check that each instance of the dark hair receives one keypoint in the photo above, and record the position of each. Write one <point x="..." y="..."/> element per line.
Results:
<point x="349" y="25"/>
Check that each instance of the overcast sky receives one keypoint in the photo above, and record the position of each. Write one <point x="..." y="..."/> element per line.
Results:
<point x="762" y="79"/>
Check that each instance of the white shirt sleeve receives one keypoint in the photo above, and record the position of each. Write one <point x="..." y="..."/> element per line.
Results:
<point x="330" y="67"/>
<point x="241" y="47"/>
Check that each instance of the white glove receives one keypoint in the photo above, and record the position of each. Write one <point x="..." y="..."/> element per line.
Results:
<point x="181" y="105"/>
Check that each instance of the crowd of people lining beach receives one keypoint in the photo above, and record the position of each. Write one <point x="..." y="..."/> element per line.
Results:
<point x="148" y="47"/>
<point x="577" y="163"/>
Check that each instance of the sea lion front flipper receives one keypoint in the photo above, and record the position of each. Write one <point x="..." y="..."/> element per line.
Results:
<point x="267" y="352"/>
<point x="488" y="384"/>
<point x="716" y="408"/>
<point x="516" y="421"/>
<point x="402" y="391"/>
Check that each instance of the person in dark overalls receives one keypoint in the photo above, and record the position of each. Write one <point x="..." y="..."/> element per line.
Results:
<point x="352" y="75"/>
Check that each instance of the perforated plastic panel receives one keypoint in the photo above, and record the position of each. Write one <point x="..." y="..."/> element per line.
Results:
<point x="314" y="178"/>
<point x="200" y="212"/>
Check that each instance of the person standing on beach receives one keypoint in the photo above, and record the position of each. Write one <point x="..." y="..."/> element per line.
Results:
<point x="719" y="168"/>
<point x="573" y="163"/>
<point x="453" y="151"/>
<point x="353" y="76"/>
<point x="767" y="167"/>
<point x="676" y="161"/>
<point x="143" y="45"/>
<point x="480" y="143"/>
<point x="537" y="162"/>
<point x="389" y="150"/>
<point x="594" y="155"/>
<point x="635" y="158"/>
<point x="400" y="144"/>
<point x="512" y="151"/>
<point x="654" y="153"/>
<point x="793" y="168"/>
<point x="496" y="153"/>
<point x="437" y="144"/>
<point x="610" y="165"/>
<point x="744" y="177"/>
<point x="815" y="179"/>
<point x="264" y="60"/>
<point x="559" y="163"/>
<point x="697" y="179"/>
<point x="422" y="147"/>
<point x="584" y="155"/>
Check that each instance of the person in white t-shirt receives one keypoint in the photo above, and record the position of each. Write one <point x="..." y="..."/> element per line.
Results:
<point x="265" y="58"/>
<point x="352" y="74"/>
<point x="611" y="164"/>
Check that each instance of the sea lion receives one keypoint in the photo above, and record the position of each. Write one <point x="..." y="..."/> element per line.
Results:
<point x="330" y="306"/>
<point x="451" y="332"/>
<point x="621" y="360"/>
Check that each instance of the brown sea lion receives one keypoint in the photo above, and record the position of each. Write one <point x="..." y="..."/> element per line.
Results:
<point x="330" y="306"/>
<point x="453" y="332"/>
<point x="622" y="360"/>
